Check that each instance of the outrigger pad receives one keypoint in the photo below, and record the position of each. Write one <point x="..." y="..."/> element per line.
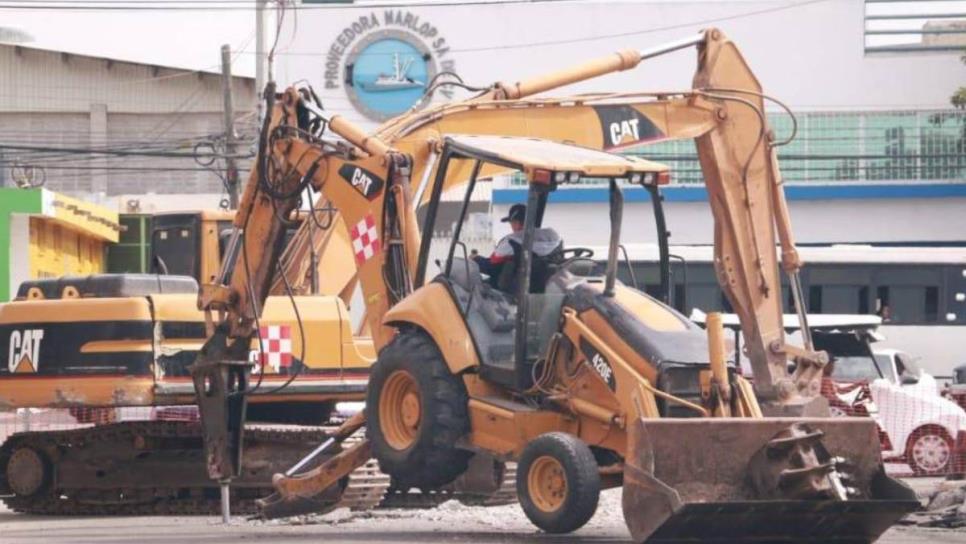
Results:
<point x="705" y="480"/>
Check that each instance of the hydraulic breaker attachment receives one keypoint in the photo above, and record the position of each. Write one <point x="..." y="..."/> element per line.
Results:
<point x="220" y="374"/>
<point x="320" y="489"/>
<point x="759" y="480"/>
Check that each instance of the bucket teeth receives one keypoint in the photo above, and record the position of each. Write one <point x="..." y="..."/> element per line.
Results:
<point x="794" y="465"/>
<point x="796" y="436"/>
<point x="805" y="482"/>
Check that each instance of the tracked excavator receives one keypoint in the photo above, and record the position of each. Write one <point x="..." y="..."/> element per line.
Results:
<point x="586" y="383"/>
<point x="114" y="350"/>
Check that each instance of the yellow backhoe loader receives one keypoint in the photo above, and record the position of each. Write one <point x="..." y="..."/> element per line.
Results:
<point x="586" y="383"/>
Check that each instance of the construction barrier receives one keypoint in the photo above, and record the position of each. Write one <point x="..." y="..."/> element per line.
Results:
<point x="922" y="428"/>
<point x="49" y="419"/>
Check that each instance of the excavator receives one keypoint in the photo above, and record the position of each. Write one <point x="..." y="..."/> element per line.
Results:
<point x="114" y="351"/>
<point x="587" y="384"/>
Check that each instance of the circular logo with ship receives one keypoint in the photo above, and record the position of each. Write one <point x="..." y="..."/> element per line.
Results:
<point x="387" y="73"/>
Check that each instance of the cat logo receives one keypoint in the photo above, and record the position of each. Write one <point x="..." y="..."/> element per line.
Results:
<point x="364" y="181"/>
<point x="624" y="126"/>
<point x="24" y="354"/>
<point x="624" y="131"/>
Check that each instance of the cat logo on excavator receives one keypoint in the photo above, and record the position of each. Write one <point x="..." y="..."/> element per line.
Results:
<point x="24" y="352"/>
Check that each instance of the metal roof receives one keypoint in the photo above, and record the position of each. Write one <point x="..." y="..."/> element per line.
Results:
<point x="815" y="321"/>
<point x="533" y="153"/>
<point x="834" y="254"/>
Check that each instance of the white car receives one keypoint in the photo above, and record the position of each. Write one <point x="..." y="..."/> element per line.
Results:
<point x="918" y="426"/>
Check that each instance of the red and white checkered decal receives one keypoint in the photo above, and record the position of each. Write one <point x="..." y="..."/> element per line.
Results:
<point x="276" y="346"/>
<point x="365" y="239"/>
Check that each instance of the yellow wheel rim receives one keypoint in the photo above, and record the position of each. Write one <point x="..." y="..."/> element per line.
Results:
<point x="547" y="483"/>
<point x="400" y="410"/>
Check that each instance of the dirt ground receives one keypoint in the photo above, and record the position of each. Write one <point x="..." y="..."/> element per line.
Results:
<point x="451" y="522"/>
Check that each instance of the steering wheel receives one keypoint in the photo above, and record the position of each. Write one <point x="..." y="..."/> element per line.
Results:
<point x="578" y="253"/>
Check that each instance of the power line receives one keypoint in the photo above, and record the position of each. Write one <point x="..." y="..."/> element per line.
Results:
<point x="622" y="34"/>
<point x="115" y="152"/>
<point x="159" y="5"/>
<point x="122" y="168"/>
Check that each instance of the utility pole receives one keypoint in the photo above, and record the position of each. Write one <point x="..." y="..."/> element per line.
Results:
<point x="231" y="170"/>
<point x="260" y="59"/>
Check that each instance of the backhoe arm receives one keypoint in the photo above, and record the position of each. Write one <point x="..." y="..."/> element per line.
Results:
<point x="724" y="113"/>
<point x="367" y="178"/>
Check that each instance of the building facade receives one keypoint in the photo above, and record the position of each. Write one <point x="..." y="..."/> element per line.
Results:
<point x="879" y="153"/>
<point x="98" y="128"/>
<point x="44" y="234"/>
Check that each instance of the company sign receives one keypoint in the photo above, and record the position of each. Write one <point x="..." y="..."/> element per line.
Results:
<point x="386" y="62"/>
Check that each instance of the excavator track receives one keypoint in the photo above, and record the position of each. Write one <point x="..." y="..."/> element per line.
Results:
<point x="416" y="499"/>
<point x="151" y="468"/>
<point x="368" y="486"/>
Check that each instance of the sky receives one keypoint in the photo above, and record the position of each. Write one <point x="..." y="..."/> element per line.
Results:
<point x="193" y="39"/>
<point x="181" y="39"/>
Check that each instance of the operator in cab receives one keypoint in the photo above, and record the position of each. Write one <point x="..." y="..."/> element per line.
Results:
<point x="501" y="264"/>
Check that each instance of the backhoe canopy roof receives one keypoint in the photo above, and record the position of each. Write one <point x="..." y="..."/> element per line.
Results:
<point x="531" y="155"/>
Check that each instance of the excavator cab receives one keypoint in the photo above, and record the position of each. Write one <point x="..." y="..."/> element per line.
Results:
<point x="542" y="267"/>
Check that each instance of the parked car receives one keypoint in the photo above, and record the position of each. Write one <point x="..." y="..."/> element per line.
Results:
<point x="917" y="424"/>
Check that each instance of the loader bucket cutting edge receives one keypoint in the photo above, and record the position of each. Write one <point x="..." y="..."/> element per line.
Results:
<point x="729" y="480"/>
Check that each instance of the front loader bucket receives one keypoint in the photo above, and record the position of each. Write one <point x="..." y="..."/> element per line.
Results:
<point x="759" y="480"/>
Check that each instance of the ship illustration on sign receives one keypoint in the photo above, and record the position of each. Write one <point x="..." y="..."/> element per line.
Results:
<point x="396" y="81"/>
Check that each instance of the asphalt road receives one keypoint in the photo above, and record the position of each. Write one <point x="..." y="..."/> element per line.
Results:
<point x="451" y="522"/>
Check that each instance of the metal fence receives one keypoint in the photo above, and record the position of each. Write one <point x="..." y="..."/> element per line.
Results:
<point x="922" y="431"/>
<point x="844" y="147"/>
<point x="914" y="26"/>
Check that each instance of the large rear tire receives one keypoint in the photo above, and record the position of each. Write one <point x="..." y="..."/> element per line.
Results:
<point x="558" y="482"/>
<point x="416" y="411"/>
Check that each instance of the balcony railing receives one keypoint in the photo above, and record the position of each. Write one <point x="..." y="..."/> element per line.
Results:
<point x="914" y="26"/>
<point x="845" y="147"/>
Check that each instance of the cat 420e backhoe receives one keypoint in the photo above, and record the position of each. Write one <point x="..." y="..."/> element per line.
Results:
<point x="584" y="382"/>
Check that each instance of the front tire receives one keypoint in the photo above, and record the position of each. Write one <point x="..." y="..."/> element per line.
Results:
<point x="416" y="411"/>
<point x="930" y="451"/>
<point x="558" y="483"/>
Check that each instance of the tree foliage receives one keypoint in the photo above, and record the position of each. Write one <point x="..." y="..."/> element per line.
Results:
<point x="959" y="97"/>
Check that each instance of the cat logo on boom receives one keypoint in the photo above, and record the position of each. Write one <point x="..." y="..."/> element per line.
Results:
<point x="362" y="180"/>
<point x="624" y="126"/>
<point x="24" y="354"/>
<point x="624" y="131"/>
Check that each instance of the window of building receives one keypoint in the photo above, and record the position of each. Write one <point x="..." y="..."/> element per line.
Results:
<point x="815" y="299"/>
<point x="932" y="304"/>
<point x="680" y="298"/>
<point x="848" y="146"/>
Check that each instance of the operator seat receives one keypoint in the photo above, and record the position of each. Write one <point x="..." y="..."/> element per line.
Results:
<point x="547" y="248"/>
